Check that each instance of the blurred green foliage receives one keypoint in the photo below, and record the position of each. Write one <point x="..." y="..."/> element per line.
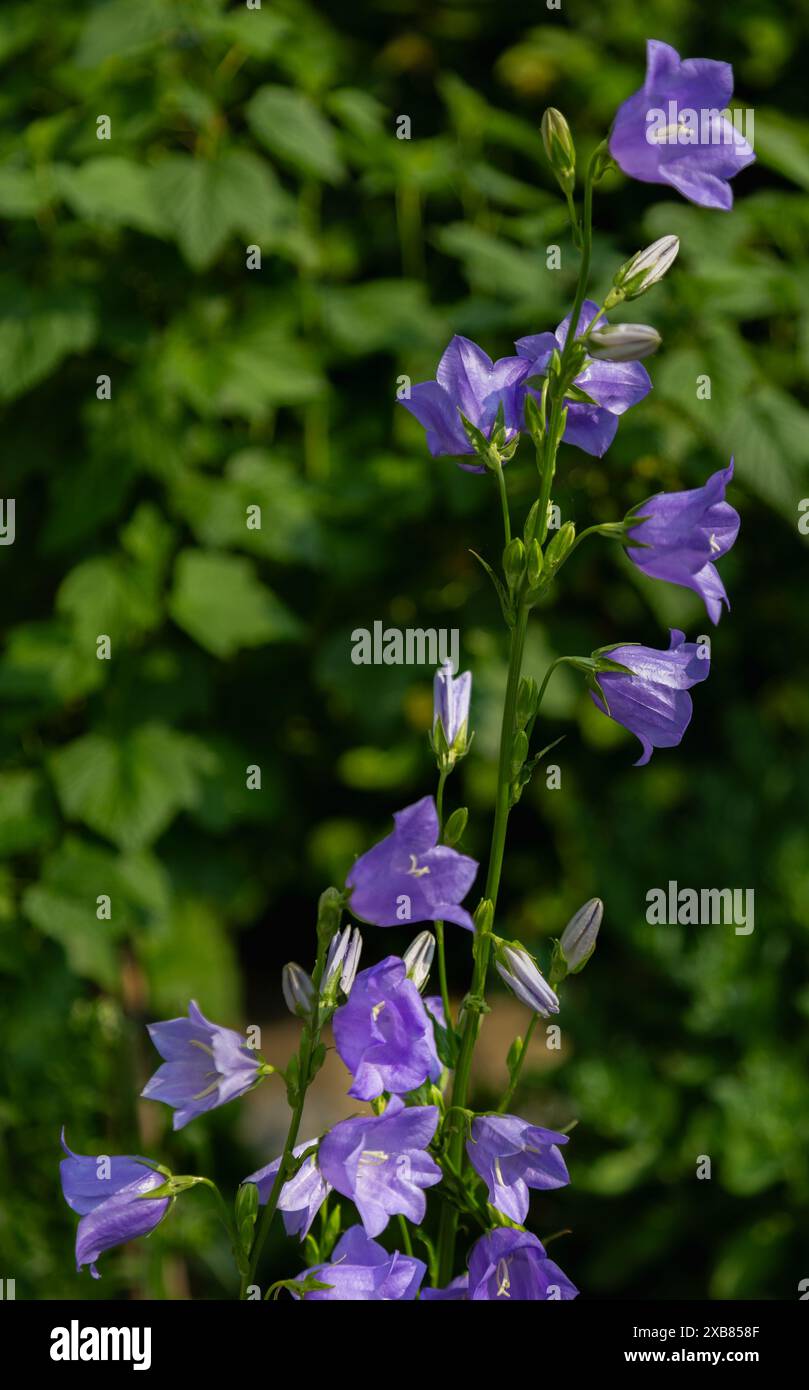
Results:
<point x="230" y="388"/>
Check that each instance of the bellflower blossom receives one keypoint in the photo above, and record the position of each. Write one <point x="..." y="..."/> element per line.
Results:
<point x="301" y="1197"/>
<point x="613" y="386"/>
<point x="205" y="1065"/>
<point x="384" y="1034"/>
<point x="467" y="381"/>
<point x="361" y="1270"/>
<point x="679" y="535"/>
<point x="507" y="1264"/>
<point x="409" y="877"/>
<point x="653" y="702"/>
<point x="673" y="132"/>
<point x="381" y="1163"/>
<point x="108" y="1194"/>
<point x="512" y="1156"/>
<point x="451" y="696"/>
<point x="518" y="969"/>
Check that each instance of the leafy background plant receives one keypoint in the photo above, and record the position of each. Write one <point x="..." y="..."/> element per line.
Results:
<point x="231" y="647"/>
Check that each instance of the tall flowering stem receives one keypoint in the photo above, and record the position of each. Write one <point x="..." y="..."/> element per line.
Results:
<point x="547" y="446"/>
<point x="302" y="1072"/>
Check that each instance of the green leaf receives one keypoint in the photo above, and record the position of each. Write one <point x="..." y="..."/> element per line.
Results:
<point x="26" y="815"/>
<point x="218" y="600"/>
<point x="191" y="957"/>
<point x="112" y="190"/>
<point x="291" y="127"/>
<point x="206" y="201"/>
<point x="36" y="333"/>
<point x="129" y="789"/>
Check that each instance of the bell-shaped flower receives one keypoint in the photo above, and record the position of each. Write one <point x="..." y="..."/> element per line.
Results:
<point x="469" y="383"/>
<point x="680" y="535"/>
<point x="301" y="1197"/>
<point x="509" y="1264"/>
<point x="384" y="1034"/>
<point x="612" y="386"/>
<point x="409" y="877"/>
<point x="109" y="1194"/>
<point x="361" y="1270"/>
<point x="381" y="1163"/>
<point x="205" y="1065"/>
<point x="653" y="701"/>
<point x="673" y="131"/>
<point x="512" y="1156"/>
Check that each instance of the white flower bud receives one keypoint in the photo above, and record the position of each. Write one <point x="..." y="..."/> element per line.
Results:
<point x="419" y="957"/>
<point x="623" y="342"/>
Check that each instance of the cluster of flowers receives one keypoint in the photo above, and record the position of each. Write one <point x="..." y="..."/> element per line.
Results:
<point x="398" y="1043"/>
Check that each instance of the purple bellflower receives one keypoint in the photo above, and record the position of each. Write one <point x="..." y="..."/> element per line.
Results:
<point x="653" y="702"/>
<point x="384" y="1034"/>
<point x="108" y="1194"/>
<point x="683" y="533"/>
<point x="301" y="1197"/>
<point x="507" y="1264"/>
<point x="613" y="386"/>
<point x="512" y="1156"/>
<point x="361" y="1270"/>
<point x="409" y="877"/>
<point x="205" y="1065"/>
<point x="467" y="381"/>
<point x="673" y="131"/>
<point x="381" y="1163"/>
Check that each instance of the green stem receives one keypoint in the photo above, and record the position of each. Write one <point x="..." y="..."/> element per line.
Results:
<point x="515" y="1075"/>
<point x="501" y="487"/>
<point x="309" y="1041"/>
<point x="439" y="926"/>
<point x="406" y="1241"/>
<point x="482" y="948"/>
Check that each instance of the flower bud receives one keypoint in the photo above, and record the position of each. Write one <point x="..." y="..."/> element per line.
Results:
<point x="519" y="751"/>
<point x="559" y="148"/>
<point x="518" y="969"/>
<point x="559" y="546"/>
<point x="419" y="957"/>
<point x="623" y="342"/>
<point x="578" y="939"/>
<point x="298" y="990"/>
<point x="484" y="916"/>
<point x="342" y="961"/>
<point x="455" y="826"/>
<point x="535" y="561"/>
<point x="643" y="270"/>
<point x="451" y="696"/>
<point x="514" y="562"/>
<point x="329" y="912"/>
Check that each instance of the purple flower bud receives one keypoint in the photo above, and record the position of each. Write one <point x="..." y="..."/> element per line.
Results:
<point x="673" y="132"/>
<point x="206" y="1065"/>
<point x="419" y="957"/>
<point x="520" y="972"/>
<point x="342" y="960"/>
<point x="624" y="342"/>
<point x="361" y="1270"/>
<point x="579" y="936"/>
<point x="297" y="989"/>
<point x="637" y="275"/>
<point x="108" y="1193"/>
<point x="680" y="535"/>
<point x="451" y="697"/>
<point x="653" y="701"/>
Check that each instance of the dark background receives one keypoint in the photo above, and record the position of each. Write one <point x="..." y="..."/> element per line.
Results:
<point x="232" y="647"/>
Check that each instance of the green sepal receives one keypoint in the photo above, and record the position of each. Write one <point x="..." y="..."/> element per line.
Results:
<point x="455" y="826"/>
<point x="505" y="601"/>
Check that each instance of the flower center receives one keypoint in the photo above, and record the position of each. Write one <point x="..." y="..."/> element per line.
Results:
<point x="377" y="1009"/>
<point x="714" y="544"/>
<point x="415" y="870"/>
<point x="503" y="1281"/>
<point x="375" y="1156"/>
